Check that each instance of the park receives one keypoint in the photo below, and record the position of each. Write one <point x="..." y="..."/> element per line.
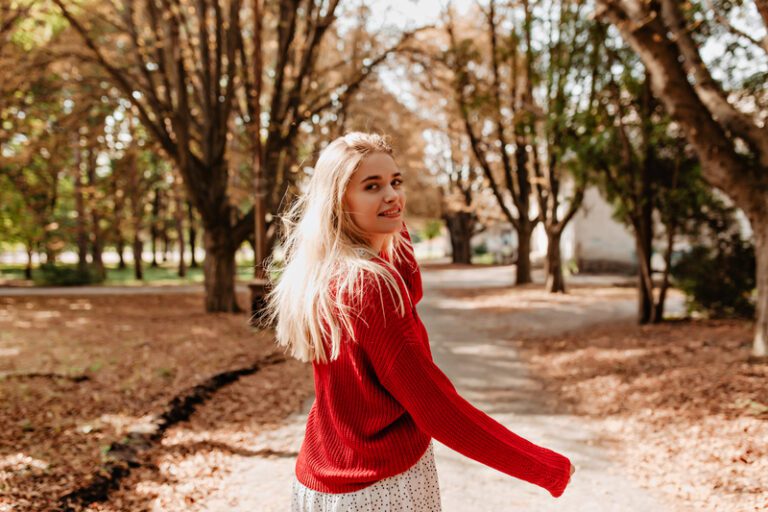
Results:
<point x="587" y="199"/>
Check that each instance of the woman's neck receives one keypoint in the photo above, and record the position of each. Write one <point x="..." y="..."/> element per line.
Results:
<point x="377" y="243"/>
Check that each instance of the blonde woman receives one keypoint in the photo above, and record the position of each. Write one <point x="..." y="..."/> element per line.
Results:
<point x="346" y="301"/>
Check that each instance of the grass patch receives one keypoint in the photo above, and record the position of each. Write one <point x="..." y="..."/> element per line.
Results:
<point x="163" y="274"/>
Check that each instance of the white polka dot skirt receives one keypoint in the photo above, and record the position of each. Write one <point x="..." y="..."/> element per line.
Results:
<point x="415" y="490"/>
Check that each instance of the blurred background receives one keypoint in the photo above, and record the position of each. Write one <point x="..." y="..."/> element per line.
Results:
<point x="555" y="147"/>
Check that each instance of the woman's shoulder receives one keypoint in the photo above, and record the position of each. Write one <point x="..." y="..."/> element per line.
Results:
<point x="359" y="286"/>
<point x="381" y="294"/>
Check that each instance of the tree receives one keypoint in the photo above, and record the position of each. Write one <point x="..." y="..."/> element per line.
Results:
<point x="37" y="155"/>
<point x="514" y="99"/>
<point x="16" y="225"/>
<point x="642" y="166"/>
<point x="731" y="142"/>
<point x="187" y="68"/>
<point x="561" y="69"/>
<point x="309" y="85"/>
<point x="178" y="68"/>
<point x="478" y="95"/>
<point x="463" y="207"/>
<point x="465" y="204"/>
<point x="11" y="15"/>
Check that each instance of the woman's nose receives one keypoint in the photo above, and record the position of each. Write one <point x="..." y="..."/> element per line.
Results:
<point x="391" y="194"/>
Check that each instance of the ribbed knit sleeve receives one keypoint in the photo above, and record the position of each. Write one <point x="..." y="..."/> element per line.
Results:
<point x="402" y="362"/>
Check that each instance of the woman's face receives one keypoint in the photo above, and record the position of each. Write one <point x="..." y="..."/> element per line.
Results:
<point x="375" y="189"/>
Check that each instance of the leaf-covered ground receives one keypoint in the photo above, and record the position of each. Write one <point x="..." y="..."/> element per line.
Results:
<point x="77" y="373"/>
<point x="679" y="402"/>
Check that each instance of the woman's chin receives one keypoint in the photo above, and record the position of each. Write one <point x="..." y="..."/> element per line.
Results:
<point x="391" y="220"/>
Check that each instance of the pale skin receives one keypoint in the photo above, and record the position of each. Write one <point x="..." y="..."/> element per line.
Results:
<point x="377" y="187"/>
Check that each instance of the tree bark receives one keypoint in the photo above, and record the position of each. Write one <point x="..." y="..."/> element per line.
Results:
<point x="82" y="233"/>
<point x="179" y="217"/>
<point x="460" y="229"/>
<point x="165" y="255"/>
<point x="118" y="214"/>
<point x="97" y="244"/>
<point x="192" y="235"/>
<point x="758" y="217"/>
<point x="555" y="279"/>
<point x="138" y="248"/>
<point x="643" y="223"/>
<point x="120" y="247"/>
<point x="524" y="231"/>
<point x="153" y="231"/>
<point x="658" y="310"/>
<point x="645" y="294"/>
<point x="219" y="269"/>
<point x="28" y="269"/>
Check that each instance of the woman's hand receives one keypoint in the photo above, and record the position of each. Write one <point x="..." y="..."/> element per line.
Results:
<point x="573" y="470"/>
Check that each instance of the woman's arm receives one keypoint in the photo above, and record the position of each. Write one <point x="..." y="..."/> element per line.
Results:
<point x="431" y="399"/>
<point x="406" y="370"/>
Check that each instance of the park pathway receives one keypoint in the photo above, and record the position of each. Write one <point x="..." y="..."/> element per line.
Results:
<point x="470" y="343"/>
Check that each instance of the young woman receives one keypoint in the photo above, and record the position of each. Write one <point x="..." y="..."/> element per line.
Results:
<point x="346" y="301"/>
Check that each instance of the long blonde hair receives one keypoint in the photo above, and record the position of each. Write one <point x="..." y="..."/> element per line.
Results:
<point x="327" y="258"/>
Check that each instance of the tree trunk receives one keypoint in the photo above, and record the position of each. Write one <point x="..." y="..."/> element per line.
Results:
<point x="97" y="249"/>
<point x="28" y="269"/>
<point x="120" y="246"/>
<point x="118" y="212"/>
<point x="644" y="299"/>
<point x="759" y="221"/>
<point x="138" y="248"/>
<point x="644" y="275"/>
<point x="165" y="254"/>
<point x="524" y="251"/>
<point x="96" y="238"/>
<point x="460" y="226"/>
<point x="179" y="216"/>
<point x="82" y="234"/>
<point x="96" y="244"/>
<point x="153" y="231"/>
<point x="555" y="280"/>
<point x="192" y="235"/>
<point x="658" y="310"/>
<point x="219" y="269"/>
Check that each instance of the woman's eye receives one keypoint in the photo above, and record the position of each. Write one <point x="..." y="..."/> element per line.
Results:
<point x="395" y="183"/>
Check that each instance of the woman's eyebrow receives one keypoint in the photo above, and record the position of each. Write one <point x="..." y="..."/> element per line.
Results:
<point x="377" y="177"/>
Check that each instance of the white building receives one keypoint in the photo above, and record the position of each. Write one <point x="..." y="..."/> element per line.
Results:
<point x="592" y="239"/>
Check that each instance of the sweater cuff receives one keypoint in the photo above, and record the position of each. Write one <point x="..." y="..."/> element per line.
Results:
<point x="561" y="474"/>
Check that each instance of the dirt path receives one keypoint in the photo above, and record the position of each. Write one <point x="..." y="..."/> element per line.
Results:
<point x="471" y="342"/>
<point x="472" y="328"/>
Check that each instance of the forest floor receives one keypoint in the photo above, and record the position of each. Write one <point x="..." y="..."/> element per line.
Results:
<point x="678" y="404"/>
<point x="78" y="373"/>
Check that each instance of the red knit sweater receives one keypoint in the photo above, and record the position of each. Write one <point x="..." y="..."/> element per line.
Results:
<point x="378" y="405"/>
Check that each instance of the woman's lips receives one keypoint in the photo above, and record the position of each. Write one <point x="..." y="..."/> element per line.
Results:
<point x="391" y="213"/>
